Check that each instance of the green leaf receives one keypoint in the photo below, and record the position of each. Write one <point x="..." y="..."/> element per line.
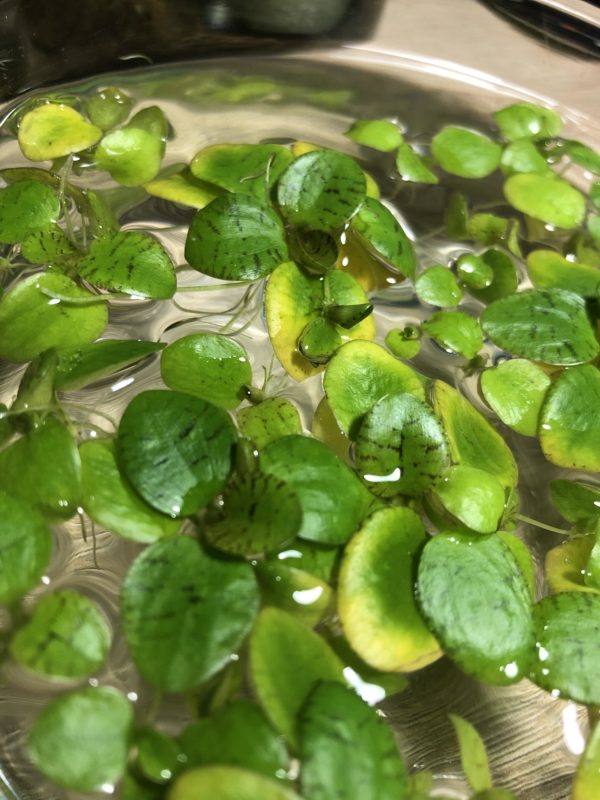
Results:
<point x="382" y="233"/>
<point x="304" y="596"/>
<point x="287" y="660"/>
<point x="412" y="167"/>
<point x="473" y="755"/>
<point x="593" y="228"/>
<point x="523" y="555"/>
<point x="360" y="374"/>
<point x="583" y="155"/>
<point x="523" y="156"/>
<point x="586" y="785"/>
<point x="176" y="596"/>
<point x="245" y="168"/>
<point x="49" y="246"/>
<point x="175" y="450"/>
<point x="54" y="130"/>
<point x="438" y="287"/>
<point x="131" y="156"/>
<point x="565" y="567"/>
<point x="238" y="735"/>
<point x="66" y="638"/>
<point x="474" y="271"/>
<point x="456" y="216"/>
<point x="81" y="739"/>
<point x="487" y="228"/>
<point x="379" y="134"/>
<point x="107" y="107"/>
<point x="476" y="600"/>
<point x="474" y="497"/>
<point x="26" y="207"/>
<point x="547" y="198"/>
<point x="25" y="548"/>
<point x="109" y="500"/>
<point x="236" y="237"/>
<point x="159" y="757"/>
<point x="31" y="320"/>
<point x="570" y="419"/>
<point x="527" y="120"/>
<point x="546" y="325"/>
<point x="472" y="440"/>
<point x="577" y="502"/>
<point x="80" y="366"/>
<point x="595" y="194"/>
<point x="321" y="190"/>
<point x="515" y="391"/>
<point x="567" y="629"/>
<point x="465" y="153"/>
<point x="228" y="783"/>
<point x="43" y="470"/>
<point x="258" y="513"/>
<point x="36" y="389"/>
<point x="268" y="421"/>
<point x="404" y="342"/>
<point x="347" y="750"/>
<point x="319" y="340"/>
<point x="400" y="447"/>
<point x="455" y="331"/>
<point x="318" y="560"/>
<point x="376" y="602"/>
<point x="315" y="475"/>
<point x="207" y="365"/>
<point x="151" y="119"/>
<point x="314" y="251"/>
<point x="549" y="270"/>
<point x="182" y="188"/>
<point x="131" y="262"/>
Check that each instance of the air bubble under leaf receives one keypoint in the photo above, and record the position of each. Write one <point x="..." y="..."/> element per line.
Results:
<point x="66" y="638"/>
<point x="382" y="233"/>
<point x="400" y="447"/>
<point x="549" y="199"/>
<point x="515" y="390"/>
<point x="465" y="153"/>
<point x="321" y="190"/>
<point x="207" y="365"/>
<point x="54" y="130"/>
<point x="81" y="739"/>
<point x="477" y="602"/>
<point x="474" y="272"/>
<point x="175" y="450"/>
<point x="236" y="237"/>
<point x="376" y="604"/>
<point x="306" y="597"/>
<point x="569" y="428"/>
<point x="175" y="596"/>
<point x="26" y="207"/>
<point x="546" y="325"/>
<point x="245" y="168"/>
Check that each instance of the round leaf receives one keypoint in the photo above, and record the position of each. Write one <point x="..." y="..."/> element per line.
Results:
<point x="31" y="321"/>
<point x="271" y="419"/>
<point x="287" y="660"/>
<point x="301" y="594"/>
<point x="346" y="745"/>
<point x="66" y="638"/>
<point x="108" y="107"/>
<point x="401" y="447"/>
<point x="130" y="262"/>
<point x="319" y="340"/>
<point x="547" y="198"/>
<point x="438" y="287"/>
<point x="111" y="502"/>
<point x="228" y="783"/>
<point x="404" y="342"/>
<point x="54" y="130"/>
<point x="465" y="153"/>
<point x="49" y="246"/>
<point x="505" y="279"/>
<point x="360" y="374"/>
<point x="567" y="628"/>
<point x="236" y="237"/>
<point x="25" y="548"/>
<point x="26" y="207"/>
<point x="130" y="155"/>
<point x="208" y="365"/>
<point x="246" y="168"/>
<point x="380" y="134"/>
<point x="315" y="475"/>
<point x="455" y="331"/>
<point x="321" y="190"/>
<point x="515" y="391"/>
<point x="549" y="270"/>
<point x="258" y="513"/>
<point x="577" y="502"/>
<point x="81" y="739"/>
<point x="472" y="496"/>
<point x="376" y="593"/>
<point x="547" y="325"/>
<point x="185" y="612"/>
<point x="382" y="233"/>
<point x="566" y="565"/>
<point x="477" y="602"/>
<point x="175" y="450"/>
<point x="570" y="419"/>
<point x="158" y="756"/>
<point x="474" y="272"/>
<point x="523" y="156"/>
<point x="529" y="120"/>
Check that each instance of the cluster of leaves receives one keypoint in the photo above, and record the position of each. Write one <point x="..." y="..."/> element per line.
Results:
<point x="280" y="565"/>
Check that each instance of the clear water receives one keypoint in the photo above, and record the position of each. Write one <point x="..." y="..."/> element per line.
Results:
<point x="533" y="739"/>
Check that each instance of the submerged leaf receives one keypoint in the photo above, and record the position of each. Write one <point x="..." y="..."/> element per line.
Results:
<point x="108" y="107"/>
<point x="577" y="502"/>
<point x="566" y="565"/>
<point x="306" y="597"/>
<point x="182" y="188"/>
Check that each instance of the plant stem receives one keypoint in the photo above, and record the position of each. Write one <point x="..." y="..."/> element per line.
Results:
<point x="542" y="525"/>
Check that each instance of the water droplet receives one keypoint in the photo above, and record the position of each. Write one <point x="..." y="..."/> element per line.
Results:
<point x="393" y="476"/>
<point x="369" y="692"/>
<point x="306" y="597"/>
<point x="132" y="696"/>
<point x="572" y="735"/>
<point x="121" y="384"/>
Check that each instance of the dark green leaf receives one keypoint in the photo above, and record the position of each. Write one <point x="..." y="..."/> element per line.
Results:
<point x="547" y="198"/>
<point x="465" y="153"/>
<point x="245" y="168"/>
<point x="527" y="120"/>
<point x="151" y="119"/>
<point x="313" y="250"/>
<point x="26" y="207"/>
<point x="456" y="215"/>
<point x="176" y="596"/>
<point x="350" y="315"/>
<point x="25" y="548"/>
<point x="81" y="739"/>
<point x="53" y="130"/>
<point x="380" y="134"/>
<point x="319" y="340"/>
<point x="36" y="389"/>
<point x="236" y="237"/>
<point x="505" y="279"/>
<point x="438" y="287"/>
<point x="175" y="450"/>
<point x="455" y="331"/>
<point x="347" y="750"/>
<point x="49" y="246"/>
<point x="547" y="325"/>
<point x="80" y="366"/>
<point x="382" y="233"/>
<point x="107" y="107"/>
<point x="271" y="419"/>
